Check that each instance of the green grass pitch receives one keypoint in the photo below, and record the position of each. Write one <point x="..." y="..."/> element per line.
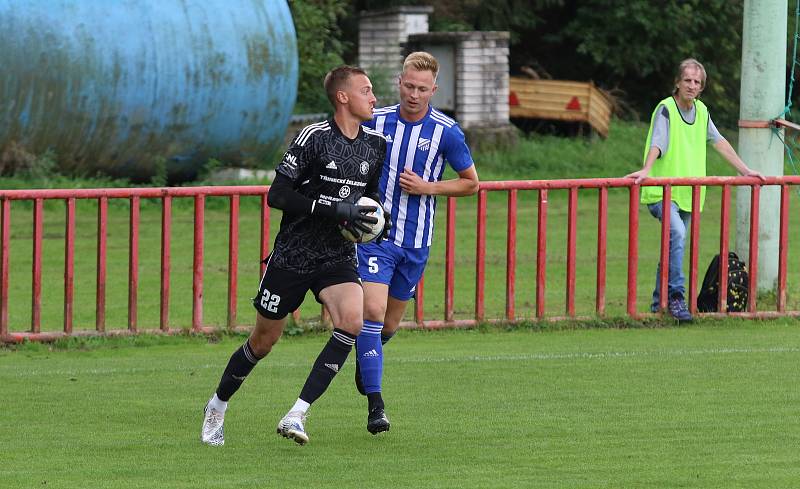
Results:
<point x="710" y="405"/>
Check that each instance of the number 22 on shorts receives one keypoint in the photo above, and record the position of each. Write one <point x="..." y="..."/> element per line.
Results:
<point x="270" y="301"/>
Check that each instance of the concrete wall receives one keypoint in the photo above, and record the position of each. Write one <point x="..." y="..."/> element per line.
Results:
<point x="474" y="75"/>
<point x="481" y="74"/>
<point x="381" y="39"/>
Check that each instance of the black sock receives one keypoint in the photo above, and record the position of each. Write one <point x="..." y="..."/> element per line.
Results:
<point x="327" y="365"/>
<point x="386" y="337"/>
<point x="239" y="366"/>
<point x="374" y="401"/>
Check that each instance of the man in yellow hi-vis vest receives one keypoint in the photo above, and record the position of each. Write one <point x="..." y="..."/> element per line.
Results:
<point x="680" y="127"/>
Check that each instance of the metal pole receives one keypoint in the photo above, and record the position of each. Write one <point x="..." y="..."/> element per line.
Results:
<point x="762" y="99"/>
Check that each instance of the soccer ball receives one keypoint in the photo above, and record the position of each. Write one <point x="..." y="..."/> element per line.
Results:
<point x="375" y="228"/>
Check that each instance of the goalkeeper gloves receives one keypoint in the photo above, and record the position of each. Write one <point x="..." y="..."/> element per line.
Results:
<point x="352" y="217"/>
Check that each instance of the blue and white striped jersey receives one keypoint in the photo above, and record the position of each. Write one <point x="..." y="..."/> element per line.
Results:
<point x="422" y="146"/>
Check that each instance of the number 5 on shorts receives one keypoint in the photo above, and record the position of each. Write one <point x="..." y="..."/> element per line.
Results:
<point x="373" y="264"/>
<point x="270" y="301"/>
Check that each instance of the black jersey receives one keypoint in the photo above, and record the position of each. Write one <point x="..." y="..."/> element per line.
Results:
<point x="325" y="164"/>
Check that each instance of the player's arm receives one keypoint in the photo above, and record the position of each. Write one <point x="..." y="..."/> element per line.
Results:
<point x="282" y="195"/>
<point x="457" y="154"/>
<point x="466" y="184"/>
<point x="297" y="166"/>
<point x="294" y="167"/>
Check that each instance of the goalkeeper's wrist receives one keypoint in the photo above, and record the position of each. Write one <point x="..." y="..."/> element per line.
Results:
<point x="324" y="208"/>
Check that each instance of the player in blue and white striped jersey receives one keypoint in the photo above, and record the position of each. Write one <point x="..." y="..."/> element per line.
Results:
<point x="420" y="139"/>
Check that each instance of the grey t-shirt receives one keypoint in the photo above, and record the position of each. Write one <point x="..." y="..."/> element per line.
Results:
<point x="660" y="137"/>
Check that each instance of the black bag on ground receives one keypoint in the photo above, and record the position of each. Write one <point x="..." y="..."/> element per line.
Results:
<point x="738" y="286"/>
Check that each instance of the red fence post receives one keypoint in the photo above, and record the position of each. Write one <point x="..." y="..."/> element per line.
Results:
<point x="69" y="265"/>
<point x="541" y="253"/>
<point x="602" y="226"/>
<point x="100" y="293"/>
<point x="166" y="261"/>
<point x="753" y="245"/>
<point x="633" y="247"/>
<point x="450" y="259"/>
<point x="5" y="237"/>
<point x="724" y="225"/>
<point x="36" y="278"/>
<point x="233" y="259"/>
<point x="783" y="249"/>
<point x="694" y="248"/>
<point x="480" y="256"/>
<point x="197" y="267"/>
<point x="572" y="231"/>
<point x="511" y="253"/>
<point x="419" y="302"/>
<point x="666" y="214"/>
<point x="133" y="264"/>
<point x="753" y="260"/>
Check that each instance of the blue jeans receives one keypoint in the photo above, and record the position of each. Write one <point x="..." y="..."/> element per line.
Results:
<point x="679" y="221"/>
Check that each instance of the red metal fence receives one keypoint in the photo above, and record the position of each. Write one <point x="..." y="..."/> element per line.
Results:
<point x="512" y="188"/>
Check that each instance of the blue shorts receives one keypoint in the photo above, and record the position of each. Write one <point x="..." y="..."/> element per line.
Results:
<point x="386" y="263"/>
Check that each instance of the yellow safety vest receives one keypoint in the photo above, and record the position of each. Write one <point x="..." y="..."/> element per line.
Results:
<point x="685" y="157"/>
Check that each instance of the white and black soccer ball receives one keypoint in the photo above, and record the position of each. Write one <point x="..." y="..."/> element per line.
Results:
<point x="375" y="229"/>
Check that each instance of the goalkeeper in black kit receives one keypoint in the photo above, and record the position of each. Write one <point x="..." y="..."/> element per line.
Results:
<point x="327" y="168"/>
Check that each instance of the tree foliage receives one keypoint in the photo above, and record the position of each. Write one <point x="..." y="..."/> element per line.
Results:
<point x="320" y="46"/>
<point x="638" y="47"/>
<point x="631" y="47"/>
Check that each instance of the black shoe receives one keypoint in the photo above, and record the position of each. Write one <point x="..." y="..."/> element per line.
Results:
<point x="359" y="382"/>
<point x="377" y="421"/>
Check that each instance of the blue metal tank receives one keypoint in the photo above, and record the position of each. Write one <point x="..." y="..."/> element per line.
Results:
<point x="118" y="86"/>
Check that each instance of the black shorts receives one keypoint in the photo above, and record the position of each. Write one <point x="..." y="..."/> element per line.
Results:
<point x="282" y="291"/>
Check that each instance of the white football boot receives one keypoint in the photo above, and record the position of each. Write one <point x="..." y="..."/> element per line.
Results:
<point x="213" y="433"/>
<point x="291" y="426"/>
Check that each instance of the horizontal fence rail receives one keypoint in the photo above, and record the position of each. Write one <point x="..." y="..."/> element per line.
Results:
<point x="514" y="190"/>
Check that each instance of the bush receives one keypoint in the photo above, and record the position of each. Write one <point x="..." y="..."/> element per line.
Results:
<point x="319" y="48"/>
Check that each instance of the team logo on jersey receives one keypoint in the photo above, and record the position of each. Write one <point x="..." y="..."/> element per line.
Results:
<point x="364" y="167"/>
<point x="344" y="191"/>
<point x="424" y="144"/>
<point x="388" y="138"/>
<point x="331" y="165"/>
<point x="290" y="159"/>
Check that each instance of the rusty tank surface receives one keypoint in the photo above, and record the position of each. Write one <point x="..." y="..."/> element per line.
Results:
<point x="130" y="88"/>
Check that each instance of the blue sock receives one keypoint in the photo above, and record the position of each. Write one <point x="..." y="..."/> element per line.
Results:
<point x="370" y="356"/>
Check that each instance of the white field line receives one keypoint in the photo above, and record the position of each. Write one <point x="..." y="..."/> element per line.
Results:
<point x="537" y="357"/>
